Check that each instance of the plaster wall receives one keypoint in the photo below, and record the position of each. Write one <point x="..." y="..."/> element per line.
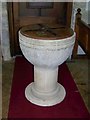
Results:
<point x="84" y="9"/>
<point x="5" y="44"/>
<point x="0" y="71"/>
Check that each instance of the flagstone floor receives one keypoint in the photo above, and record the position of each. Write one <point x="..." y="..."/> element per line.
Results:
<point x="79" y="71"/>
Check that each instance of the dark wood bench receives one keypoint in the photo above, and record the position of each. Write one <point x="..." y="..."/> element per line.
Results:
<point x="82" y="35"/>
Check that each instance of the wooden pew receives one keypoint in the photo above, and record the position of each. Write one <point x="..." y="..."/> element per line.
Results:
<point x="82" y="35"/>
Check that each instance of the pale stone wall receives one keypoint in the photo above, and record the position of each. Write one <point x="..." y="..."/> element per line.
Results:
<point x="5" y="43"/>
<point x="89" y="12"/>
<point x="0" y="70"/>
<point x="84" y="9"/>
<point x="0" y="30"/>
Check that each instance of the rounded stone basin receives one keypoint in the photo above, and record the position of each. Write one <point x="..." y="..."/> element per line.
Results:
<point x="46" y="47"/>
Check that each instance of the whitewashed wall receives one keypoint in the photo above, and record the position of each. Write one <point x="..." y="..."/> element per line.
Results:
<point x="5" y="43"/>
<point x="0" y="28"/>
<point x="0" y="70"/>
<point x="88" y="12"/>
<point x="84" y="9"/>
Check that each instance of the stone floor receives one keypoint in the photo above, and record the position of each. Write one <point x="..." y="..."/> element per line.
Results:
<point x="78" y="68"/>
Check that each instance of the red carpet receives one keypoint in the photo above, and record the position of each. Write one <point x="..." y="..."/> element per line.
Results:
<point x="72" y="106"/>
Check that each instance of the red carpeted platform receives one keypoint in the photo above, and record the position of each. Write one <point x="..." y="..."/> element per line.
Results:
<point x="72" y="106"/>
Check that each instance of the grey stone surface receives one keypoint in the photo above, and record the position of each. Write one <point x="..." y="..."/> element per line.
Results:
<point x="5" y="34"/>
